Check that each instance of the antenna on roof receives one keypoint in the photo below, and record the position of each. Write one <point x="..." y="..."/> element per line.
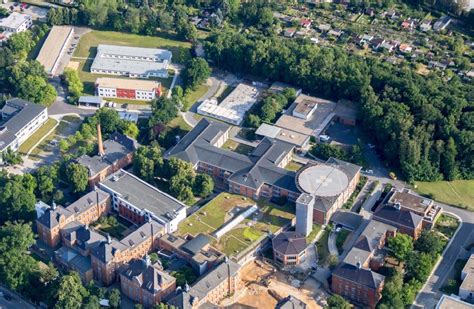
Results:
<point x="53" y="205"/>
<point x="109" y="239"/>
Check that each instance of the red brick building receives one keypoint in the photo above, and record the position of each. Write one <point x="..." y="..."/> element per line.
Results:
<point x="114" y="154"/>
<point x="145" y="283"/>
<point x="85" y="210"/>
<point x="358" y="284"/>
<point x="406" y="221"/>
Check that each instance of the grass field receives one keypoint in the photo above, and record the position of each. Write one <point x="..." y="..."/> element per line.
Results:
<point x="37" y="136"/>
<point x="87" y="46"/>
<point x="191" y="97"/>
<point x="179" y="122"/>
<point x="458" y="193"/>
<point x="213" y="215"/>
<point x="322" y="247"/>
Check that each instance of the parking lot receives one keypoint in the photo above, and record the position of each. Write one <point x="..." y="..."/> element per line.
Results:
<point x="37" y="13"/>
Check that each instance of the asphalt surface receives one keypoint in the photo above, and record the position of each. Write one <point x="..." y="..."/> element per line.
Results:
<point x="430" y="294"/>
<point x="17" y="302"/>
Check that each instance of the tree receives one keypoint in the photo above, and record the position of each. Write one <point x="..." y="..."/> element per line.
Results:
<point x="16" y="265"/>
<point x="92" y="303"/>
<point x="392" y="292"/>
<point x="17" y="199"/>
<point x="74" y="84"/>
<point x="114" y="298"/>
<point x="418" y="266"/>
<point x="131" y="130"/>
<point x="430" y="242"/>
<point x="401" y="246"/>
<point x="12" y="158"/>
<point x="36" y="89"/>
<point x="337" y="302"/>
<point x="77" y="176"/>
<point x="71" y="292"/>
<point x="163" y="111"/>
<point x="147" y="162"/>
<point x="197" y="71"/>
<point x="203" y="185"/>
<point x="450" y="169"/>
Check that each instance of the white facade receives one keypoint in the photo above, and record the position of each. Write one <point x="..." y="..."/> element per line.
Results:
<point x="145" y="95"/>
<point x="31" y="128"/>
<point x="16" y="22"/>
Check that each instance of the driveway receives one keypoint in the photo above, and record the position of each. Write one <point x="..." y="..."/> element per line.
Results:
<point x="332" y="244"/>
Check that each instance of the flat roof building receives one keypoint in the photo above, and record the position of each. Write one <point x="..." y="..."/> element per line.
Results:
<point x="132" y="89"/>
<point x="233" y="108"/>
<point x="15" y="23"/>
<point x="452" y="302"/>
<point x="54" y="48"/>
<point x="92" y="101"/>
<point x="466" y="290"/>
<point x="299" y="140"/>
<point x="19" y="119"/>
<point x="138" y="201"/>
<point x="131" y="61"/>
<point x="304" y="107"/>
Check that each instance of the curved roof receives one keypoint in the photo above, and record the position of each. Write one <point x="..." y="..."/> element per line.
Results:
<point x="322" y="180"/>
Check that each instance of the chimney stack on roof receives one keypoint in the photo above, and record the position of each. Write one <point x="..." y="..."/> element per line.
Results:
<point x="99" y="141"/>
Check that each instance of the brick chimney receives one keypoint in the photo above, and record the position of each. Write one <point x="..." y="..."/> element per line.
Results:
<point x="99" y="141"/>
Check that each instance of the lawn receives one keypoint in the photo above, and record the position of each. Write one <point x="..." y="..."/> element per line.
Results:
<point x="37" y="136"/>
<point x="87" y="46"/>
<point x="322" y="247"/>
<point x="237" y="147"/>
<point x="458" y="193"/>
<point x="447" y="225"/>
<point x="340" y="239"/>
<point x="192" y="97"/>
<point x="179" y="122"/>
<point x="213" y="215"/>
<point x="314" y="232"/>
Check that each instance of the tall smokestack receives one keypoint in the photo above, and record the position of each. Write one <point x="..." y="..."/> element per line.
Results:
<point x="99" y="141"/>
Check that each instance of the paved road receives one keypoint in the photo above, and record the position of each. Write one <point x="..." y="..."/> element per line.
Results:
<point x="430" y="294"/>
<point x="17" y="302"/>
<point x="332" y="244"/>
<point x="61" y="107"/>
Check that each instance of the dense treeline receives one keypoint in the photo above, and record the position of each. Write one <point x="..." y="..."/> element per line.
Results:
<point x="20" y="76"/>
<point x="425" y="124"/>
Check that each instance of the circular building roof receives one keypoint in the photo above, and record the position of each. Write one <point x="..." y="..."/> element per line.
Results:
<point x="322" y="180"/>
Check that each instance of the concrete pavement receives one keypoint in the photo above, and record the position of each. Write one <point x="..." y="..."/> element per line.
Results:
<point x="332" y="244"/>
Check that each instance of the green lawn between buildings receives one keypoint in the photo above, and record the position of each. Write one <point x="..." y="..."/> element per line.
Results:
<point x="459" y="193"/>
<point x="37" y="136"/>
<point x="213" y="215"/>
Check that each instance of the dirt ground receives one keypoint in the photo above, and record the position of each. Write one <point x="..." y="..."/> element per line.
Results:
<point x="264" y="287"/>
<point x="73" y="65"/>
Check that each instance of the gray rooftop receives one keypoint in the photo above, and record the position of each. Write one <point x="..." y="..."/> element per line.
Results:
<point x="291" y="302"/>
<point x="251" y="170"/>
<point x="134" y="60"/>
<point x="289" y="243"/>
<point x="116" y="147"/>
<point x="14" y="20"/>
<point x="195" y="245"/>
<point x="107" y="249"/>
<point x="142" y="195"/>
<point x="73" y="259"/>
<point x="215" y="277"/>
<point x="150" y="277"/>
<point x="362" y="276"/>
<point x="51" y="216"/>
<point x="398" y="217"/>
<point x="16" y="114"/>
